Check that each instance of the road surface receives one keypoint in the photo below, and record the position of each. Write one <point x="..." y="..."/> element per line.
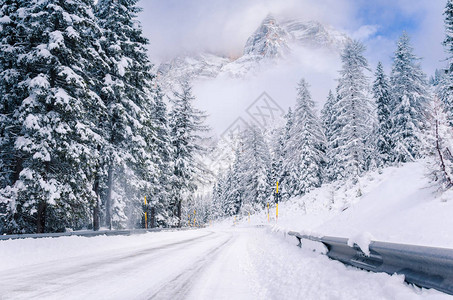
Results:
<point x="212" y="263"/>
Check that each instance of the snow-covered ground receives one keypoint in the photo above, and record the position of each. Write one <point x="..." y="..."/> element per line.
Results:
<point x="220" y="262"/>
<point x="242" y="261"/>
<point x="397" y="204"/>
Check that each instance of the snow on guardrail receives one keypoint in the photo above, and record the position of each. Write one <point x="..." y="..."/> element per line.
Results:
<point x="423" y="266"/>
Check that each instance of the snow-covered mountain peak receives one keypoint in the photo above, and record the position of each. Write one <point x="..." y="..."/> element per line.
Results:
<point x="270" y="40"/>
<point x="273" y="42"/>
<point x="315" y="34"/>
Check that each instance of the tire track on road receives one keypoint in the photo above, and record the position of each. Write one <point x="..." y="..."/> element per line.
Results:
<point x="41" y="279"/>
<point x="179" y="287"/>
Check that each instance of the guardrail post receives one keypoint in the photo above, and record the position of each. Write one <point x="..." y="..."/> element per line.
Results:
<point x="300" y="242"/>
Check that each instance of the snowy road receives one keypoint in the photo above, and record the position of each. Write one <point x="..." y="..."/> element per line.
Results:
<point x="239" y="263"/>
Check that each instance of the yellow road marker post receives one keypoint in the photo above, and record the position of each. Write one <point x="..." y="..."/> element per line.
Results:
<point x="146" y="215"/>
<point x="194" y="217"/>
<point x="249" y="217"/>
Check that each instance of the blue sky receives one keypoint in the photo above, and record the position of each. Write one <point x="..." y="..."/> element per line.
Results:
<point x="175" y="27"/>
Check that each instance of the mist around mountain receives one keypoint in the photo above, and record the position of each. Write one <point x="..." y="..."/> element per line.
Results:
<point x="274" y="43"/>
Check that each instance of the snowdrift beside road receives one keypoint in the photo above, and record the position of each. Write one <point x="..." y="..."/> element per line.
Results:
<point x="398" y="204"/>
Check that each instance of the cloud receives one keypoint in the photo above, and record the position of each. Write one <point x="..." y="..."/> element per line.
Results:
<point x="365" y="32"/>
<point x="227" y="99"/>
<point x="222" y="26"/>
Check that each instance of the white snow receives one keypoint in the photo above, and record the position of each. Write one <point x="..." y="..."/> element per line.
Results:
<point x="362" y="240"/>
<point x="5" y="20"/>
<point x="40" y="81"/>
<point x="72" y="33"/>
<point x="31" y="122"/>
<point x="234" y="259"/>
<point x="71" y="75"/>
<point x="220" y="262"/>
<point x="56" y="39"/>
<point x="43" y="51"/>
<point x="397" y="204"/>
<point x="122" y="65"/>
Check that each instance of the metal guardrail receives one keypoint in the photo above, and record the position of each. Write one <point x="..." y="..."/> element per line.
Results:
<point x="88" y="233"/>
<point x="426" y="267"/>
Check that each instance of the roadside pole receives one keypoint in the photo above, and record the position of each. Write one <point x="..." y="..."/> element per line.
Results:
<point x="146" y="215"/>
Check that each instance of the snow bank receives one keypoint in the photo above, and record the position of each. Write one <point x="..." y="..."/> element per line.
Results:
<point x="24" y="252"/>
<point x="397" y="204"/>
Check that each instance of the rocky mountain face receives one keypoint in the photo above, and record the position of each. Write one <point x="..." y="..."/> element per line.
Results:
<point x="271" y="43"/>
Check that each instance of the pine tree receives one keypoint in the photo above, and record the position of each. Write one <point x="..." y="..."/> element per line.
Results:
<point x="53" y="189"/>
<point x="255" y="178"/>
<point x="283" y="144"/>
<point x="186" y="127"/>
<point x="382" y="97"/>
<point x="218" y="195"/>
<point x="234" y="188"/>
<point x="12" y="46"/>
<point x="328" y="118"/>
<point x="162" y="149"/>
<point x="327" y="115"/>
<point x="306" y="146"/>
<point x="277" y="145"/>
<point x="410" y="98"/>
<point x="443" y="147"/>
<point x="129" y="160"/>
<point x="445" y="88"/>
<point x="347" y="149"/>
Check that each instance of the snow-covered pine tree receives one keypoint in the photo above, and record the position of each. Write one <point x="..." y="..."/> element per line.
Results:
<point x="328" y="122"/>
<point x="410" y="100"/>
<point x="352" y="124"/>
<point x="306" y="146"/>
<point x="442" y="110"/>
<point x="186" y="128"/>
<point x="53" y="189"/>
<point x="255" y="178"/>
<point x="163" y="150"/>
<point x="382" y="97"/>
<point x="327" y="115"/>
<point x="445" y="87"/>
<point x="218" y="195"/>
<point x="129" y="159"/>
<point x="286" y="134"/>
<point x="277" y="145"/>
<point x="443" y="146"/>
<point x="11" y="46"/>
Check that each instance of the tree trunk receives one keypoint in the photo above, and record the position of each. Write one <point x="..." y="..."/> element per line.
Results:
<point x="108" y="200"/>
<point x="42" y="206"/>
<point x="441" y="157"/>
<point x="41" y="217"/>
<point x="179" y="212"/>
<point x="96" y="209"/>
<point x="153" y="217"/>
<point x="17" y="169"/>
